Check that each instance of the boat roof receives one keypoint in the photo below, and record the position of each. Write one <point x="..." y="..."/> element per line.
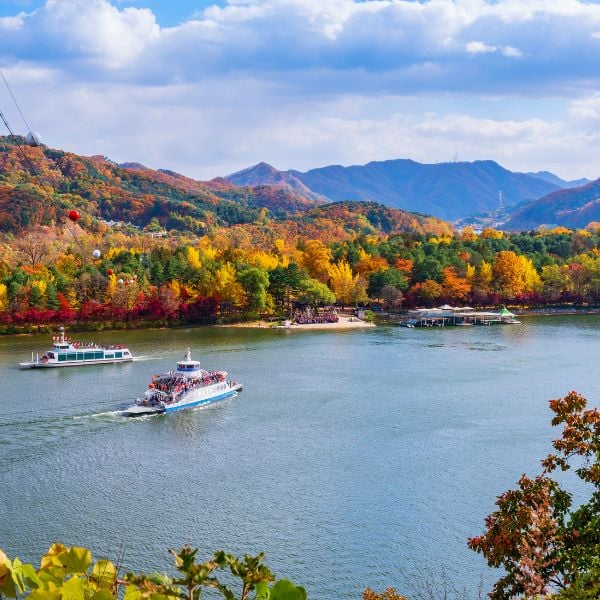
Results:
<point x="188" y="364"/>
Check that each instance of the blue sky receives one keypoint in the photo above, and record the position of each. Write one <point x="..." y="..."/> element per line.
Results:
<point x="206" y="88"/>
<point x="168" y="12"/>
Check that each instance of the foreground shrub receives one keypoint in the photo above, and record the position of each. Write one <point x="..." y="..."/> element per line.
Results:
<point x="68" y="574"/>
<point x="545" y="546"/>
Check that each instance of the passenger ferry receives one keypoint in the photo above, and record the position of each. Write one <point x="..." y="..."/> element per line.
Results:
<point x="186" y="387"/>
<point x="67" y="353"/>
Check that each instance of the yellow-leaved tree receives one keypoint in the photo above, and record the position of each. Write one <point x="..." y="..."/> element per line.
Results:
<point x="514" y="274"/>
<point x="192" y="256"/>
<point x="343" y="281"/>
<point x="3" y="297"/>
<point x="227" y="287"/>
<point x="316" y="259"/>
<point x="111" y="287"/>
<point x="263" y="260"/>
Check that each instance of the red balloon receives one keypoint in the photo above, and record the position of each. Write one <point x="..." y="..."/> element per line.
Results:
<point x="74" y="216"/>
<point x="110" y="271"/>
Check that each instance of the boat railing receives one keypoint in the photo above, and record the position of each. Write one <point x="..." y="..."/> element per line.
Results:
<point x="93" y="346"/>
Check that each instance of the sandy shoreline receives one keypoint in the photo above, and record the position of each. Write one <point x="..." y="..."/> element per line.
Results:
<point x="343" y="323"/>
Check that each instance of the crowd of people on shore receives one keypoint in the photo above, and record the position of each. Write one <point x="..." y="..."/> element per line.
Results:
<point x="309" y="317"/>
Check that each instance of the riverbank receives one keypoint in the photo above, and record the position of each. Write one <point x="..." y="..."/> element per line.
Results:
<point x="342" y="323"/>
<point x="549" y="312"/>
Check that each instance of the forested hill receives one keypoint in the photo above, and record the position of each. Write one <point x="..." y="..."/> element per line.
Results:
<point x="575" y="207"/>
<point x="38" y="186"/>
<point x="446" y="190"/>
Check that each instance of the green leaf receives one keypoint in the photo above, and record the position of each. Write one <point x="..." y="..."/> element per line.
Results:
<point x="286" y="590"/>
<point x="51" y="557"/>
<point x="74" y="589"/>
<point x="51" y="574"/>
<point x="17" y="575"/>
<point x="24" y="576"/>
<point x="104" y="574"/>
<point x="132" y="593"/>
<point x="103" y="595"/>
<point x="76" y="560"/>
<point x="262" y="590"/>
<point x="31" y="577"/>
<point x="7" y="585"/>
<point x="52" y="592"/>
<point x="160" y="579"/>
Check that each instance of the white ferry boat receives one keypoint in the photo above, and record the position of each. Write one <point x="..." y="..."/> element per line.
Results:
<point x="67" y="353"/>
<point x="187" y="387"/>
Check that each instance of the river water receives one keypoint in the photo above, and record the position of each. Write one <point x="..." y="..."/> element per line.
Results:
<point x="353" y="458"/>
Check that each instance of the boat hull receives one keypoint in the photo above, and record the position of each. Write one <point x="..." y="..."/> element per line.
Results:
<point x="192" y="401"/>
<point x="73" y="363"/>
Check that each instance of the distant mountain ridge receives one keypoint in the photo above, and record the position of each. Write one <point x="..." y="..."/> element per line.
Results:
<point x="572" y="207"/>
<point x="556" y="180"/>
<point x="446" y="190"/>
<point x="39" y="186"/>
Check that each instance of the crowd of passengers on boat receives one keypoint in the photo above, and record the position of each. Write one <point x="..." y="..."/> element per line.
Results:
<point x="173" y="382"/>
<point x="88" y="345"/>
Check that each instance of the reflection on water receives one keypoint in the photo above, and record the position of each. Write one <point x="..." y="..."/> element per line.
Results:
<point x="351" y="458"/>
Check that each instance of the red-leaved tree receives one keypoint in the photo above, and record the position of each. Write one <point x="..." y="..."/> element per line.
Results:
<point x="544" y="546"/>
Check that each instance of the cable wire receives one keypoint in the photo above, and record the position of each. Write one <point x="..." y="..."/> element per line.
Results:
<point x="15" y="100"/>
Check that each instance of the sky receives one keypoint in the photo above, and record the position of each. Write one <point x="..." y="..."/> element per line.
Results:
<point x="206" y="87"/>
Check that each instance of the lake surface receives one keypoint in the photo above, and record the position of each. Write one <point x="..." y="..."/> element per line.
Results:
<point x="353" y="458"/>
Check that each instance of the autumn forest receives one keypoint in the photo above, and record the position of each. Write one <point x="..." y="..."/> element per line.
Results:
<point x="153" y="246"/>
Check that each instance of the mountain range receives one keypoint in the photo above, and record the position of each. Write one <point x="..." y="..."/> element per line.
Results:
<point x="556" y="180"/>
<point x="446" y="190"/>
<point x="571" y="207"/>
<point x="40" y="185"/>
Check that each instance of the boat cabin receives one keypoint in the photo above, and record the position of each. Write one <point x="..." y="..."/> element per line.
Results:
<point x="188" y="366"/>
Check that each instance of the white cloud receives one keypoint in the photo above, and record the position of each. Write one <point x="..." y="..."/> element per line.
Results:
<point x="479" y="48"/>
<point x="96" y="40"/>
<point x="303" y="83"/>
<point x="511" y="52"/>
<point x="587" y="109"/>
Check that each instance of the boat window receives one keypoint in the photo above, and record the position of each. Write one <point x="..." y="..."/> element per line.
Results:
<point x="72" y="356"/>
<point x="50" y="354"/>
<point x="80" y="355"/>
<point x="109" y="356"/>
<point x="99" y="354"/>
<point x="118" y="355"/>
<point x="62" y="357"/>
<point x="90" y="355"/>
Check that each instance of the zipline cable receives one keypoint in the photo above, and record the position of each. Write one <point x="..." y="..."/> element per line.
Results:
<point x="17" y="142"/>
<point x="15" y="101"/>
<point x="12" y="134"/>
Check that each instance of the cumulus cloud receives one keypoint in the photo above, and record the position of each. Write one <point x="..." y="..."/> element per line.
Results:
<point x="479" y="48"/>
<point x="304" y="83"/>
<point x="511" y="52"/>
<point x="344" y="37"/>
<point x="587" y="109"/>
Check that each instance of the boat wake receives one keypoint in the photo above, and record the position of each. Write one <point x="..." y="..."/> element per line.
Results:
<point x="106" y="413"/>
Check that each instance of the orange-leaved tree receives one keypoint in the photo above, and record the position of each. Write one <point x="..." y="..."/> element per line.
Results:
<point x="544" y="545"/>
